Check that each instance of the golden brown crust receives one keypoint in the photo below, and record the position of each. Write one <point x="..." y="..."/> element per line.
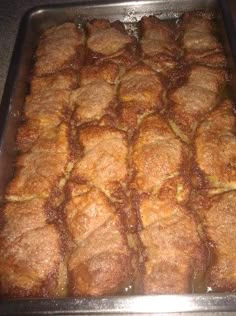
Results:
<point x="192" y="101"/>
<point x="209" y="78"/>
<point x="199" y="42"/>
<point x="218" y="221"/>
<point x="91" y="102"/>
<point x="86" y="212"/>
<point x="130" y="115"/>
<point x="30" y="266"/>
<point x="60" y="47"/>
<point x="157" y="157"/>
<point x="37" y="174"/>
<point x="106" y="70"/>
<point x="39" y="170"/>
<point x="64" y="80"/>
<point x="175" y="254"/>
<point x="112" y="175"/>
<point x="105" y="38"/>
<point x="110" y="42"/>
<point x="141" y="84"/>
<point x="48" y="108"/>
<point x="27" y="134"/>
<point x="216" y="147"/>
<point x="158" y="37"/>
<point x="54" y="139"/>
<point x="140" y="93"/>
<point x="104" y="160"/>
<point x="20" y="218"/>
<point x="124" y="60"/>
<point x="102" y="263"/>
<point x="172" y="262"/>
<point x="158" y="44"/>
<point x="161" y="64"/>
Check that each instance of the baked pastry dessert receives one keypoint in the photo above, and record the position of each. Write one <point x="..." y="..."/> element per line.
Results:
<point x="124" y="180"/>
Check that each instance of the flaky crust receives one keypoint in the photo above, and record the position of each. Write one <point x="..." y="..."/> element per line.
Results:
<point x="54" y="139"/>
<point x="101" y="262"/>
<point x="107" y="71"/>
<point x="158" y="37"/>
<point x="104" y="160"/>
<point x="20" y="218"/>
<point x="175" y="254"/>
<point x="48" y="108"/>
<point x="86" y="212"/>
<point x="216" y="148"/>
<point x="218" y="218"/>
<point x="110" y="42"/>
<point x="92" y="102"/>
<point x="140" y="93"/>
<point x="40" y="168"/>
<point x="199" y="41"/>
<point x="63" y="80"/>
<point x="60" y="47"/>
<point x="106" y="197"/>
<point x="157" y="157"/>
<point x="30" y="267"/>
<point x="105" y="38"/>
<point x="141" y="84"/>
<point x="192" y="101"/>
<point x="36" y="175"/>
<point x="158" y="44"/>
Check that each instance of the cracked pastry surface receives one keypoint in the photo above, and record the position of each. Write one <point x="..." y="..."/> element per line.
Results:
<point x="22" y="217"/>
<point x="37" y="175"/>
<point x="158" y="45"/>
<point x="218" y="216"/>
<point x="63" y="80"/>
<point x="110" y="42"/>
<point x="86" y="212"/>
<point x="192" y="101"/>
<point x="107" y="71"/>
<point x="101" y="202"/>
<point x="60" y="47"/>
<point x="216" y="148"/>
<point x="157" y="36"/>
<point x="48" y="140"/>
<point x="104" y="160"/>
<point x="106" y="38"/>
<point x="48" y="108"/>
<point x="30" y="266"/>
<point x="96" y="269"/>
<point x="140" y="92"/>
<point x="175" y="254"/>
<point x="101" y="262"/>
<point x="39" y="169"/>
<point x="199" y="40"/>
<point x="157" y="155"/>
<point x="141" y="84"/>
<point x="92" y="101"/>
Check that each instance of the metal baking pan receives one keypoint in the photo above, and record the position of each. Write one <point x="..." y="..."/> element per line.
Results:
<point x="33" y="23"/>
